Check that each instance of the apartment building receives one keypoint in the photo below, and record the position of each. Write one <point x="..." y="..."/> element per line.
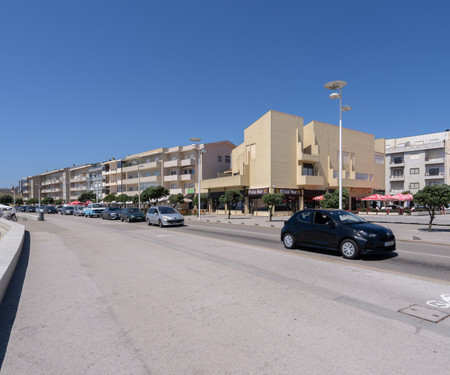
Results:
<point x="281" y="155"/>
<point x="174" y="168"/>
<point x="417" y="161"/>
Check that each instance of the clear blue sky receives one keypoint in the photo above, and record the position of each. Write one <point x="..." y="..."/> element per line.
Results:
<point x="83" y="81"/>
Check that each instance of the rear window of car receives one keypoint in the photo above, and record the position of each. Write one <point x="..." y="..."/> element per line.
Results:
<point x="304" y="216"/>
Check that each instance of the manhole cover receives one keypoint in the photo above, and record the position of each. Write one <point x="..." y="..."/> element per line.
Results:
<point x="424" y="313"/>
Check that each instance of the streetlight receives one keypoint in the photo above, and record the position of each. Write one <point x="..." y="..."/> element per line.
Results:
<point x="335" y="85"/>
<point x="198" y="171"/>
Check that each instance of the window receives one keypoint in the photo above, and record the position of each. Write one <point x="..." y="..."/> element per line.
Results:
<point x="304" y="216"/>
<point x="173" y="157"/>
<point x="379" y="159"/>
<point x="173" y="186"/>
<point x="320" y="218"/>
<point x="398" y="159"/>
<point x="227" y="159"/>
<point x="414" y="185"/>
<point x="188" y="171"/>
<point x="157" y="173"/>
<point x="397" y="172"/>
<point x="414" y="171"/>
<point x="173" y="172"/>
<point x="362" y="176"/>
<point x="130" y="176"/>
<point x="433" y="171"/>
<point x="219" y="159"/>
<point x="308" y="169"/>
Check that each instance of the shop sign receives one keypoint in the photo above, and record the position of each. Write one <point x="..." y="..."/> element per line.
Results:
<point x="252" y="192"/>
<point x="289" y="191"/>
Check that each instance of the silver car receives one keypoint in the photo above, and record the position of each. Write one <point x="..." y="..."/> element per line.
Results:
<point x="164" y="216"/>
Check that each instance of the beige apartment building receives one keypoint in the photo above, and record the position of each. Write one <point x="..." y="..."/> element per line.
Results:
<point x="174" y="168"/>
<point x="280" y="154"/>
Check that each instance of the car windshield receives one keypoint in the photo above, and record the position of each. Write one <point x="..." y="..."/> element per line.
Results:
<point x="347" y="217"/>
<point x="167" y="210"/>
<point x="113" y="209"/>
<point x="97" y="205"/>
<point x="133" y="210"/>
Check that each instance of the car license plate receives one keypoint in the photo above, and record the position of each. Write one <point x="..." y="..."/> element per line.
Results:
<point x="389" y="243"/>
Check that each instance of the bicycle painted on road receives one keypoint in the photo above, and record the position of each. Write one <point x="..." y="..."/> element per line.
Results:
<point x="444" y="304"/>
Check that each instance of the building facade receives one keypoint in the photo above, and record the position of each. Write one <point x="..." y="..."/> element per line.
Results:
<point x="174" y="168"/>
<point x="415" y="162"/>
<point x="280" y="154"/>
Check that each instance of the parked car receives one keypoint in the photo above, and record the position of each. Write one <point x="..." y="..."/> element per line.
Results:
<point x="111" y="213"/>
<point x="164" y="216"/>
<point x="66" y="210"/>
<point x="131" y="214"/>
<point x="78" y="211"/>
<point x="50" y="210"/>
<point x="22" y="208"/>
<point x="94" y="210"/>
<point x="336" y="230"/>
<point x="31" y="209"/>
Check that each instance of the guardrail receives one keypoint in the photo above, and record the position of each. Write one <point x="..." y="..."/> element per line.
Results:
<point x="11" y="242"/>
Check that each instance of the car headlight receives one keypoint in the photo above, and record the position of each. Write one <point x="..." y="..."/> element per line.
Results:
<point x="166" y="218"/>
<point x="365" y="234"/>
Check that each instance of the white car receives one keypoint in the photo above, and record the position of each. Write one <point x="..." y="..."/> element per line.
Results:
<point x="164" y="216"/>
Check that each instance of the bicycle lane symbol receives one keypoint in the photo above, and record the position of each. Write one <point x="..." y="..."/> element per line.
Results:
<point x="443" y="304"/>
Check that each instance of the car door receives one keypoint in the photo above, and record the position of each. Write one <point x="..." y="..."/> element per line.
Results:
<point x="152" y="216"/>
<point x="325" y="231"/>
<point x="303" y="227"/>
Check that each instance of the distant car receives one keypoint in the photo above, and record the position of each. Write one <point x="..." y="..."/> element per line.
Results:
<point x="164" y="216"/>
<point x="131" y="214"/>
<point x="78" y="211"/>
<point x="22" y="208"/>
<point x="66" y="210"/>
<point x="111" y="213"/>
<point x="336" y="230"/>
<point x="31" y="209"/>
<point x="94" y="210"/>
<point x="50" y="210"/>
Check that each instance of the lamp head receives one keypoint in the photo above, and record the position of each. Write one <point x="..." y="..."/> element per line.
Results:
<point x="334" y="95"/>
<point x="346" y="108"/>
<point x="334" y="85"/>
<point x="195" y="139"/>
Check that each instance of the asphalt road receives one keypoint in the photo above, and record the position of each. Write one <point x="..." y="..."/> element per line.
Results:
<point x="99" y="297"/>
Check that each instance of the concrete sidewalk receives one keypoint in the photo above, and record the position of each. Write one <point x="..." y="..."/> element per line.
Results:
<point x="405" y="227"/>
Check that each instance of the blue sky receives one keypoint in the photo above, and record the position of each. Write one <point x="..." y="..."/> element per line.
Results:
<point x="83" y="81"/>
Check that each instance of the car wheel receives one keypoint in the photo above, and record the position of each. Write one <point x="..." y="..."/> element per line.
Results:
<point x="349" y="249"/>
<point x="289" y="241"/>
<point x="121" y="219"/>
<point x="160" y="223"/>
<point x="148" y="222"/>
<point x="128" y="219"/>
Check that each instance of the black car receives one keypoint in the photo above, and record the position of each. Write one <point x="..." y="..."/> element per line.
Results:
<point x="50" y="210"/>
<point x="337" y="230"/>
<point x="66" y="210"/>
<point x="131" y="214"/>
<point x="31" y="209"/>
<point x="111" y="213"/>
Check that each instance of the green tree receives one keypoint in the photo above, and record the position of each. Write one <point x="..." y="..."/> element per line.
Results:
<point x="432" y="197"/>
<point x="203" y="199"/>
<point x="175" y="199"/>
<point x="47" y="200"/>
<point x="59" y="202"/>
<point x="32" y="201"/>
<point x="135" y="199"/>
<point x="19" y="201"/>
<point x="110" y="198"/>
<point x="231" y="198"/>
<point x="6" y="199"/>
<point x="87" y="196"/>
<point x="331" y="200"/>
<point x="271" y="200"/>
<point x="153" y="194"/>
<point x="122" y="198"/>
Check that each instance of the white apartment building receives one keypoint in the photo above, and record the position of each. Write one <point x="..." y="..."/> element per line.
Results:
<point x="174" y="168"/>
<point x="415" y="162"/>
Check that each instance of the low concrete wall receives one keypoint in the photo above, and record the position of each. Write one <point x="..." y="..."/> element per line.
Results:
<point x="11" y="242"/>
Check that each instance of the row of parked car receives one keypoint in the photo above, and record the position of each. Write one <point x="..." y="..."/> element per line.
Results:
<point x="159" y="215"/>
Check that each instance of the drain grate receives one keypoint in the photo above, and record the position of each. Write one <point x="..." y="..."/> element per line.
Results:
<point x="424" y="313"/>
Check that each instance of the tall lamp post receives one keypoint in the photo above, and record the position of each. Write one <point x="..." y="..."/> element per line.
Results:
<point x="198" y="171"/>
<point x="338" y="85"/>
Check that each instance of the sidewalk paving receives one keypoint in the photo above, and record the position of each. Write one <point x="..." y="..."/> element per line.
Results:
<point x="405" y="227"/>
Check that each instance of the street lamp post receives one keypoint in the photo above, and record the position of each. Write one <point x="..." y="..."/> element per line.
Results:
<point x="198" y="173"/>
<point x="335" y="85"/>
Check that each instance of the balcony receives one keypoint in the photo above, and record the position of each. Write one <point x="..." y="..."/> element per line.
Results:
<point x="188" y="162"/>
<point x="310" y="180"/>
<point x="429" y="176"/>
<point x="187" y="177"/>
<point x="52" y="190"/>
<point x="397" y="163"/>
<point x="51" y="182"/>
<point x="309" y="158"/>
<point x="172" y="177"/>
<point x="75" y="180"/>
<point x="172" y="163"/>
<point x="434" y="161"/>
<point x="397" y="178"/>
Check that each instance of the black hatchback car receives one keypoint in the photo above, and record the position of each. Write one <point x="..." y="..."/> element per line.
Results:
<point x="131" y="214"/>
<point x="337" y="230"/>
<point x="111" y="213"/>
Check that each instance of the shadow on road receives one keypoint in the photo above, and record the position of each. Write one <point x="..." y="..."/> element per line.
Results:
<point x="10" y="303"/>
